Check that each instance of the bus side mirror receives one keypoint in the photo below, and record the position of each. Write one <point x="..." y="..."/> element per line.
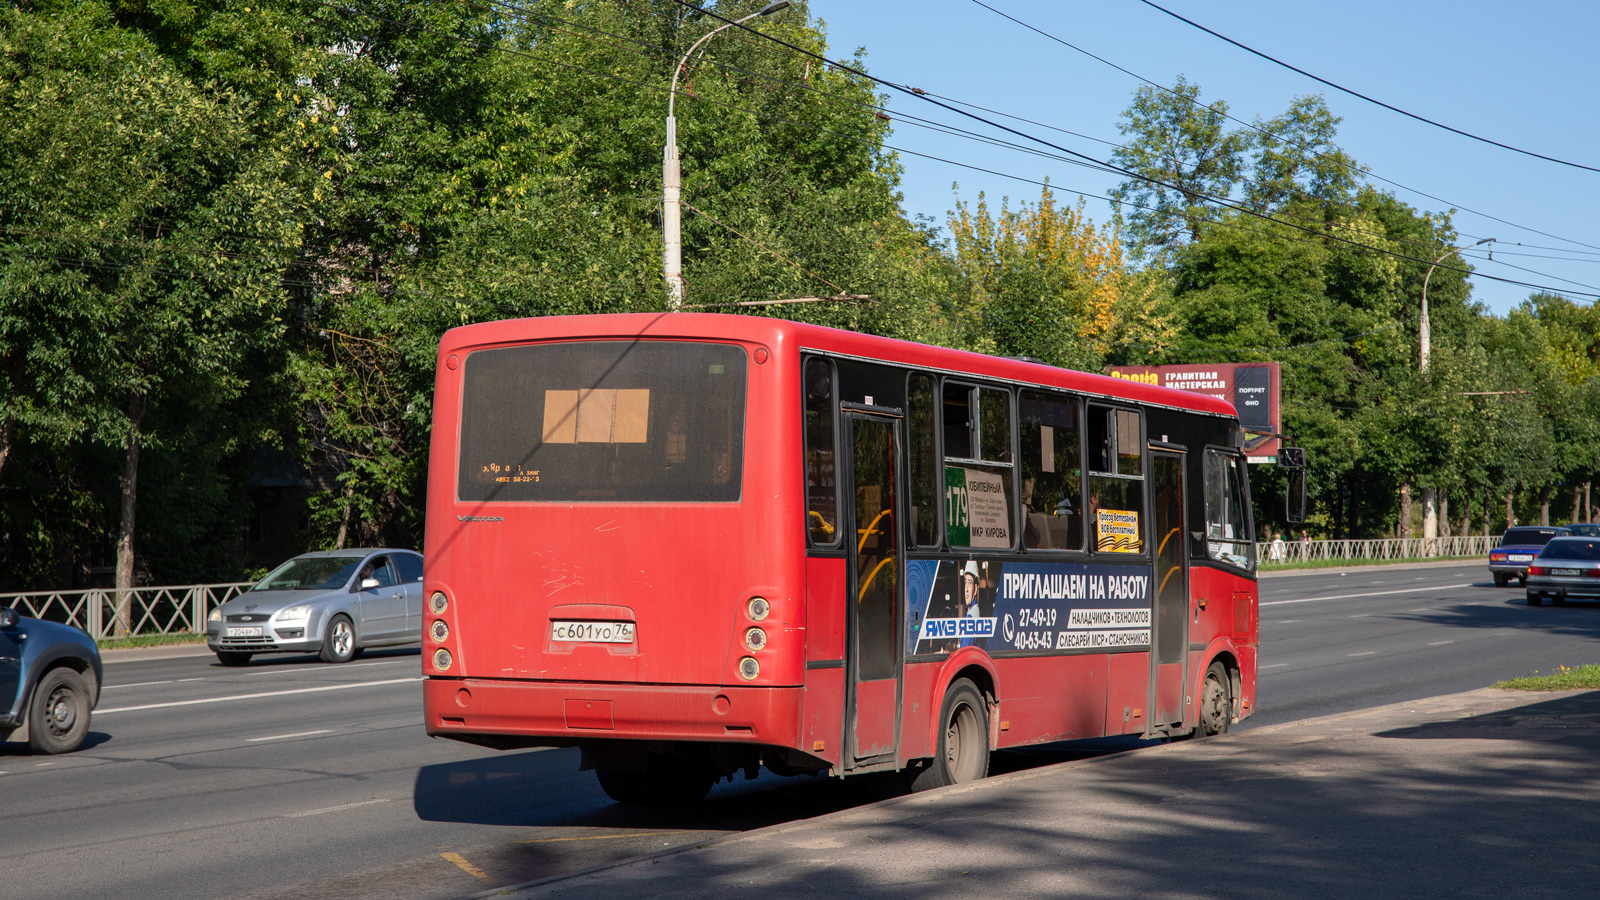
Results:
<point x="1295" y="497"/>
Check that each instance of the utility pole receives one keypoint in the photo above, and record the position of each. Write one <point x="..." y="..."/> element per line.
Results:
<point x="671" y="173"/>
<point x="1430" y="499"/>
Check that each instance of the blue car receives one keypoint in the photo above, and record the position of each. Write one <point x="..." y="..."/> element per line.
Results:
<point x="49" y="682"/>
<point x="1518" y="547"/>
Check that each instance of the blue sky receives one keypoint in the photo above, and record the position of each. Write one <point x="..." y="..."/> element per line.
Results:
<point x="1520" y="74"/>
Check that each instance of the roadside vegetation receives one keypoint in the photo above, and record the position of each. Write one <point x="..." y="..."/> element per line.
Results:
<point x="150" y="640"/>
<point x="1576" y="678"/>
<point x="231" y="236"/>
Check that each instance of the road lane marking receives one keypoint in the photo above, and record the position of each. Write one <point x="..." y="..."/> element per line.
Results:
<point x="598" y="837"/>
<point x="282" y="737"/>
<point x="468" y="868"/>
<point x="112" y="687"/>
<point x="311" y="690"/>
<point x="339" y="808"/>
<point x="182" y="680"/>
<point x="1439" y="643"/>
<point x="1442" y="587"/>
<point x="1273" y="666"/>
<point x="1366" y="653"/>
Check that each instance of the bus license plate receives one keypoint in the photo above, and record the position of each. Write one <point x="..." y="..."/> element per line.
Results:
<point x="244" y="631"/>
<point x="1563" y="571"/>
<point x="593" y="632"/>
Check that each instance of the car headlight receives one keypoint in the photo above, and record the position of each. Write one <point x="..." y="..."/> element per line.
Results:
<point x="216" y="615"/>
<point x="294" y="612"/>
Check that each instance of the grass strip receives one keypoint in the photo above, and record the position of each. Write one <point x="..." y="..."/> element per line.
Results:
<point x="150" y="640"/>
<point x="1564" y="678"/>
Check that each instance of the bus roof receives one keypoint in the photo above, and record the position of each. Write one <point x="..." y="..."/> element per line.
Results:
<point x="783" y="334"/>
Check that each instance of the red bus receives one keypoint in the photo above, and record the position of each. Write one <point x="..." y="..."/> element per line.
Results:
<point x="695" y="544"/>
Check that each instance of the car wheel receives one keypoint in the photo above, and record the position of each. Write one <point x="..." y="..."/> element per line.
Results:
<point x="232" y="657"/>
<point x="1499" y="580"/>
<point x="1216" y="701"/>
<point x="339" y="644"/>
<point x="58" y="717"/>
<point x="963" y="751"/>
<point x="1535" y="599"/>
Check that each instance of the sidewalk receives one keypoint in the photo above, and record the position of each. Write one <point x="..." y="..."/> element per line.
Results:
<point x="1489" y="793"/>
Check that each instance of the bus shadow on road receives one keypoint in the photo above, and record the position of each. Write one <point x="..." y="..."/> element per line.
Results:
<point x="545" y="788"/>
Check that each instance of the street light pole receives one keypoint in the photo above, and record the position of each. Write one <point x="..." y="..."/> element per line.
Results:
<point x="1430" y="499"/>
<point x="671" y="180"/>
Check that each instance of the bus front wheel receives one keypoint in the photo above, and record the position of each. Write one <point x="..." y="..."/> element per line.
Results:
<point x="963" y="751"/>
<point x="1216" y="701"/>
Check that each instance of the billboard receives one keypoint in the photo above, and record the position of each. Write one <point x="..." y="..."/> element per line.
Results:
<point x="1252" y="388"/>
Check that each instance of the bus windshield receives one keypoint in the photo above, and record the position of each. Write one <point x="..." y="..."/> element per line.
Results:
<point x="603" y="421"/>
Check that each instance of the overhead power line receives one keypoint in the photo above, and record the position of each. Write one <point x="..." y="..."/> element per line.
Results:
<point x="1372" y="100"/>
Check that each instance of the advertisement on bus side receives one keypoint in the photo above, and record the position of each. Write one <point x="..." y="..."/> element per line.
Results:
<point x="1008" y="605"/>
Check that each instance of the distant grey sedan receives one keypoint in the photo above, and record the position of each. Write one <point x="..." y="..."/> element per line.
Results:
<point x="1566" y="567"/>
<point x="335" y="603"/>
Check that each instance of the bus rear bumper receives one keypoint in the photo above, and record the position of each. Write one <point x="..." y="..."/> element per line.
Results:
<point x="563" y="713"/>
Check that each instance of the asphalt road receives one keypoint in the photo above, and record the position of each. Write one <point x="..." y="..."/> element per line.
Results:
<point x="293" y="778"/>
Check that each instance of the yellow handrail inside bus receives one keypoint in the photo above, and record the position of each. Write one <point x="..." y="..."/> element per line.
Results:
<point x="826" y="525"/>
<point x="867" y="532"/>
<point x="874" y="574"/>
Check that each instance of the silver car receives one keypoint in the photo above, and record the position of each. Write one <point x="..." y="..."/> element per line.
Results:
<point x="1566" y="567"/>
<point x="335" y="603"/>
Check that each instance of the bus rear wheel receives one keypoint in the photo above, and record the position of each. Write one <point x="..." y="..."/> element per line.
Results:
<point x="667" y="781"/>
<point x="963" y="751"/>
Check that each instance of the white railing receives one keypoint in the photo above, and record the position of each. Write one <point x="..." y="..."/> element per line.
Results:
<point x="110" y="613"/>
<point x="1380" y="549"/>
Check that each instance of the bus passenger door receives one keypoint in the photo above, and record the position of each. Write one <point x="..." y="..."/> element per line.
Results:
<point x="1172" y="591"/>
<point x="873" y="658"/>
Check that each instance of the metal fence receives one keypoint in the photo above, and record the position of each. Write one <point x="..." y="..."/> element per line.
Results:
<point x="183" y="609"/>
<point x="110" y="613"/>
<point x="1380" y="549"/>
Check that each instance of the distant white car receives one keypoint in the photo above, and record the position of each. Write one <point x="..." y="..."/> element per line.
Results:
<point x="335" y="603"/>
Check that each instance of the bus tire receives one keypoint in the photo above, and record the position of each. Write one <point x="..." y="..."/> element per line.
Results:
<point x="1216" y="701"/>
<point x="623" y="787"/>
<point x="963" y="751"/>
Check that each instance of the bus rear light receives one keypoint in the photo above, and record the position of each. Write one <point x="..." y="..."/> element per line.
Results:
<point x="755" y="639"/>
<point x="441" y="659"/>
<point x="748" y="668"/>
<point x="440" y="630"/>
<point x="759" y="608"/>
<point x="438" y="602"/>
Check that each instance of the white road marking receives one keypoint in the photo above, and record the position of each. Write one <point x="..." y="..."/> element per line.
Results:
<point x="1442" y="587"/>
<point x="1439" y="643"/>
<point x="1366" y="653"/>
<point x="1360" y="616"/>
<point x="281" y="737"/>
<point x="1273" y="666"/>
<point x="112" y="687"/>
<point x="313" y="690"/>
<point x="329" y="809"/>
<point x="182" y="680"/>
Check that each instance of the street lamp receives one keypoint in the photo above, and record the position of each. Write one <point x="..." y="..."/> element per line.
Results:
<point x="1430" y="500"/>
<point x="1425" y="332"/>
<point x="671" y="191"/>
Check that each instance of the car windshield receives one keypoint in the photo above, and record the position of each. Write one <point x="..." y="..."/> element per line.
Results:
<point x="1537" y="537"/>
<point x="1572" y="548"/>
<point x="310" y="573"/>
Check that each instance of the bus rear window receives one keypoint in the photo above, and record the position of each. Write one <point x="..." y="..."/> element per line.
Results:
<point x="603" y="422"/>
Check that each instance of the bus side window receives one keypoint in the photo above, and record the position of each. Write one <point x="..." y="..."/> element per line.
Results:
<point x="920" y="439"/>
<point x="1116" y="480"/>
<point x="1052" y="479"/>
<point x="978" y="473"/>
<point x="822" y="496"/>
<point x="1227" y="537"/>
<point x="958" y="421"/>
